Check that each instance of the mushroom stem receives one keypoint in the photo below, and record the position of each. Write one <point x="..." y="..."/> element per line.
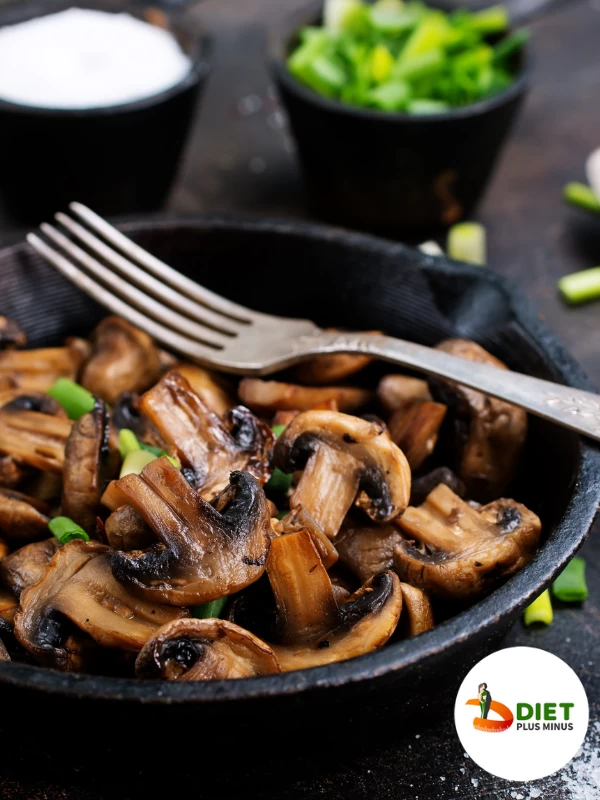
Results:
<point x="34" y="439"/>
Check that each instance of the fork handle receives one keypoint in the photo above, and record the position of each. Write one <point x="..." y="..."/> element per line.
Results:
<point x="568" y="407"/>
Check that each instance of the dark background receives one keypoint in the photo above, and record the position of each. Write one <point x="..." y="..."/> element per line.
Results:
<point x="240" y="158"/>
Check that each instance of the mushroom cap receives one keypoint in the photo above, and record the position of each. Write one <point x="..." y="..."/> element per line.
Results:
<point x="417" y="614"/>
<point x="27" y="565"/>
<point x="461" y="553"/>
<point x="33" y="438"/>
<point x="11" y="334"/>
<point x="22" y="518"/>
<point x="204" y="649"/>
<point x="384" y="472"/>
<point x="367" y="550"/>
<point x="206" y="551"/>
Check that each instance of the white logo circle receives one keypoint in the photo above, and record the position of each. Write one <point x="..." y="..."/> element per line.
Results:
<point x="521" y="713"/>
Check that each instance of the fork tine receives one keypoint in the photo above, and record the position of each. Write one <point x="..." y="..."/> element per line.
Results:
<point x="104" y="296"/>
<point x="162" y="270"/>
<point x="145" y="281"/>
<point x="143" y="301"/>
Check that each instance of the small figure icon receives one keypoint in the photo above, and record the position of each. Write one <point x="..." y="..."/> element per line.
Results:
<point x="485" y="700"/>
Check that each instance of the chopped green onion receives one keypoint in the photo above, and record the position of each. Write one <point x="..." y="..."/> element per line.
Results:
<point x="211" y="610"/>
<point x="337" y="12"/>
<point x="278" y="430"/>
<point x="511" y="44"/>
<point x="135" y="461"/>
<point x="466" y="242"/>
<point x="65" y="530"/>
<point x="427" y="107"/>
<point x="391" y="96"/>
<point x="382" y="62"/>
<point x="282" y="514"/>
<point x="420" y="66"/>
<point x="128" y="442"/>
<point x="580" y="195"/>
<point x="279" y="481"/>
<point x="489" y="20"/>
<point x="570" y="586"/>
<point x="75" y="400"/>
<point x="156" y="451"/>
<point x="539" y="611"/>
<point x="581" y="287"/>
<point x="592" y="170"/>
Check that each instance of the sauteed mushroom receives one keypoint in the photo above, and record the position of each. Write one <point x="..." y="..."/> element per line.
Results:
<point x="78" y="589"/>
<point x="206" y="551"/>
<point x="312" y="628"/>
<point x="88" y="466"/>
<point x="4" y="656"/>
<point x="126" y="530"/>
<point x="124" y="359"/>
<point x="488" y="434"/>
<point x="210" y="387"/>
<point x="22" y="518"/>
<point x="36" y="370"/>
<point x="34" y="439"/>
<point x="204" y="649"/>
<point x="425" y="484"/>
<point x="11" y="334"/>
<point x="331" y="368"/>
<point x="367" y="550"/>
<point x="395" y="391"/>
<point x="27" y="565"/>
<point x="417" y="614"/>
<point x="457" y="552"/>
<point x="267" y="397"/>
<point x="126" y="413"/>
<point x="341" y="456"/>
<point x="298" y="520"/>
<point x="414" y="427"/>
<point x="211" y="449"/>
<point x="11" y="473"/>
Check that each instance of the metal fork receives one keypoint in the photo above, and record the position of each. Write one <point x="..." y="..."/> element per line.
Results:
<point x="213" y="331"/>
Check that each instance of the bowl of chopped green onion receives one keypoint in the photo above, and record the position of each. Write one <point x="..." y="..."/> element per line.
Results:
<point x="399" y="109"/>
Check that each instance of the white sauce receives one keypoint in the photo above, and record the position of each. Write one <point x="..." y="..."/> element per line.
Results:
<point x="81" y="58"/>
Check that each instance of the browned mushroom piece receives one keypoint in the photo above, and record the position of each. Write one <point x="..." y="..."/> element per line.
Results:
<point x="414" y="427"/>
<point x="15" y="399"/>
<point x="417" y="614"/>
<point x="22" y="518"/>
<point x="267" y="397"/>
<point x="487" y="434"/>
<point x="4" y="654"/>
<point x="342" y="457"/>
<point x="213" y="390"/>
<point x="126" y="530"/>
<point x="9" y="603"/>
<point x="36" y="370"/>
<point x="124" y="359"/>
<point x="366" y="549"/>
<point x="311" y="627"/>
<point x="126" y="413"/>
<point x="79" y="593"/>
<point x="11" y="473"/>
<point x="454" y="551"/>
<point x="206" y="551"/>
<point x="27" y="565"/>
<point x="209" y="449"/>
<point x="203" y="650"/>
<point x="331" y="368"/>
<point x="12" y="334"/>
<point x="395" y="391"/>
<point x="89" y="465"/>
<point x="4" y="549"/>
<point x="299" y="519"/>
<point x="35" y="439"/>
<point x="424" y="484"/>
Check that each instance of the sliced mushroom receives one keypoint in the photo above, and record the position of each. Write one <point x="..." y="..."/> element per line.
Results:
<point x="126" y="413"/>
<point x="331" y="368"/>
<point x="11" y="334"/>
<point x="313" y="629"/>
<point x="3" y="549"/>
<point x="425" y="484"/>
<point x="207" y="446"/>
<point x="124" y="359"/>
<point x="36" y="370"/>
<point x="367" y="550"/>
<point x="267" y="397"/>
<point x="27" y="565"/>
<point x="212" y="389"/>
<point x="342" y="455"/>
<point x="204" y="649"/>
<point x="22" y="518"/>
<point x="9" y="604"/>
<point x="487" y="434"/>
<point x="206" y="551"/>
<point x="78" y="589"/>
<point x="299" y="519"/>
<point x="4" y="655"/>
<point x="34" y="439"/>
<point x="126" y="530"/>
<point x="414" y="427"/>
<point x="89" y="464"/>
<point x="395" y="391"/>
<point x="417" y="614"/>
<point x="455" y="551"/>
<point x="11" y="473"/>
<point x="14" y="400"/>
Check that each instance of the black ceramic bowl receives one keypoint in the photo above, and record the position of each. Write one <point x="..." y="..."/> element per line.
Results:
<point x="354" y="281"/>
<point x="118" y="159"/>
<point x="391" y="173"/>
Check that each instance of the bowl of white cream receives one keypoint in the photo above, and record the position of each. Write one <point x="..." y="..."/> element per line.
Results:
<point x="95" y="105"/>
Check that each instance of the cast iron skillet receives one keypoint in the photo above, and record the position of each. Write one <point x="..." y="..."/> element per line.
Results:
<point x="354" y="281"/>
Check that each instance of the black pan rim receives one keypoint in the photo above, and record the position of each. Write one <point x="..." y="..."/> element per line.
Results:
<point x="448" y="637"/>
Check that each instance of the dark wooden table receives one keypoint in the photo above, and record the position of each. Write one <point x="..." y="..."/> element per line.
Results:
<point x="240" y="158"/>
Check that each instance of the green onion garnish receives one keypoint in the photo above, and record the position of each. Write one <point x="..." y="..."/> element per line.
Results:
<point x="279" y="481"/>
<point x="466" y="242"/>
<point x="128" y="442"/>
<point x="278" y="430"/>
<point x="570" y="586"/>
<point x="580" y="287"/>
<point x="511" y="44"/>
<point x="539" y="611"/>
<point x="75" y="400"/>
<point x="211" y="610"/>
<point x="135" y="461"/>
<point x="65" y="530"/>
<point x="580" y="195"/>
